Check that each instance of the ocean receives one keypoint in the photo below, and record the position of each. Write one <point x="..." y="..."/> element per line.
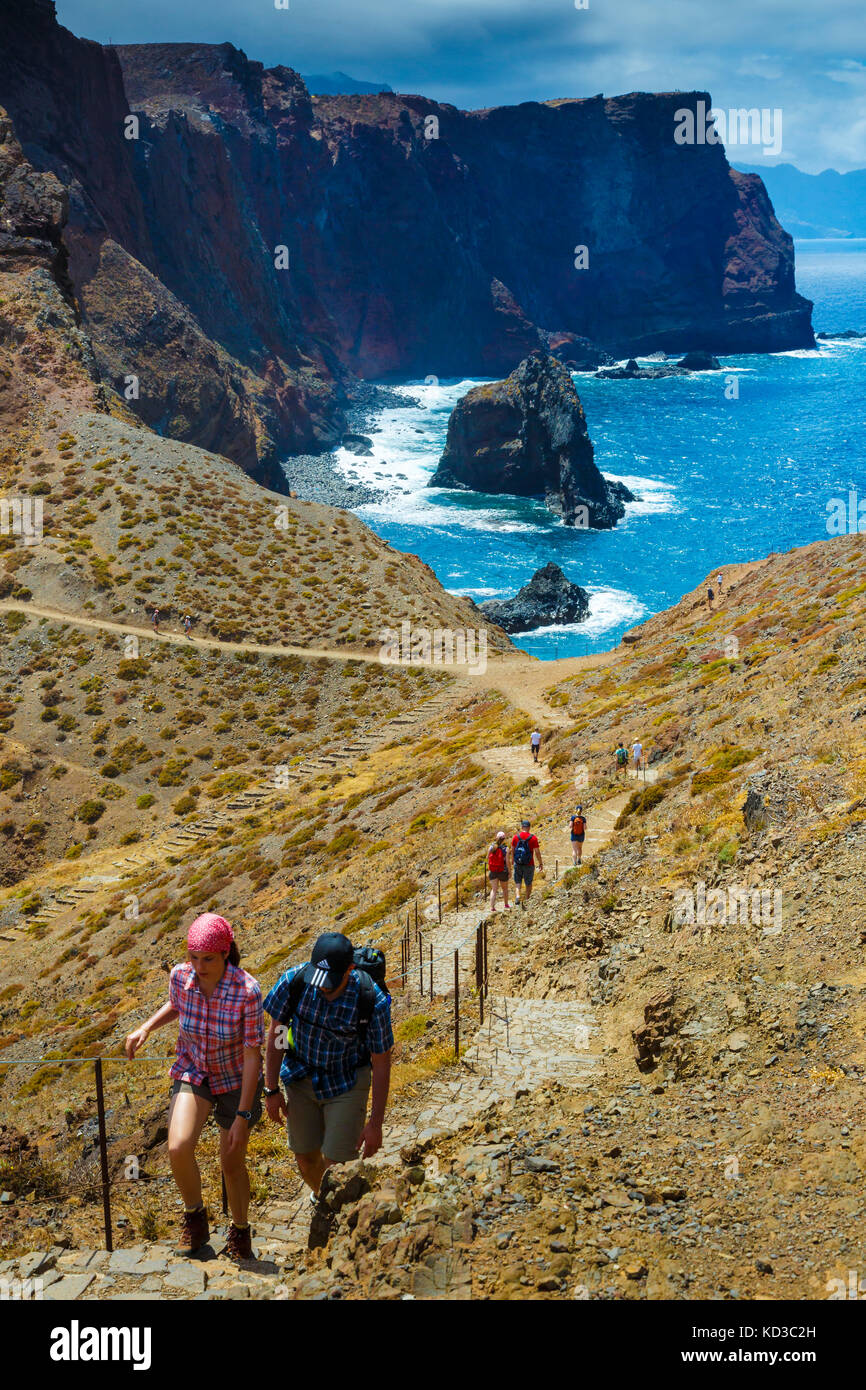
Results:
<point x="728" y="466"/>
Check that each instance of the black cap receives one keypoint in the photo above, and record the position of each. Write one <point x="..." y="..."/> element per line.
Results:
<point x="333" y="953"/>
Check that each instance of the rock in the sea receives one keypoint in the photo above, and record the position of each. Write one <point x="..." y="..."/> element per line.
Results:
<point x="700" y="362"/>
<point x="527" y="436"/>
<point x="692" y="362"/>
<point x="548" y="598"/>
<point x="847" y="333"/>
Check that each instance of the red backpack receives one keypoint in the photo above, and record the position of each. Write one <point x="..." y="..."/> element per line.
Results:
<point x="496" y="859"/>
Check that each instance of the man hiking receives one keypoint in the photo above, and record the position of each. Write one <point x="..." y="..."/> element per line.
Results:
<point x="710" y="597"/>
<point x="497" y="869"/>
<point x="332" y="1030"/>
<point x="187" y="623"/>
<point x="719" y="583"/>
<point x="155" y="619"/>
<point x="637" y="756"/>
<point x="621" y="756"/>
<point x="534" y="744"/>
<point x="578" y="835"/>
<point x="524" y="846"/>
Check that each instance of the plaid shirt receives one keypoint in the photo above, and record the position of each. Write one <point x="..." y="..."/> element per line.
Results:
<point x="325" y="1035"/>
<point x="214" y="1032"/>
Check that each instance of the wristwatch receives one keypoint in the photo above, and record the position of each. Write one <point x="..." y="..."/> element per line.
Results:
<point x="244" y="1115"/>
<point x="268" y="1092"/>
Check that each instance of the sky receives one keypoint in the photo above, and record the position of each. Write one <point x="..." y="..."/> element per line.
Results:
<point x="806" y="58"/>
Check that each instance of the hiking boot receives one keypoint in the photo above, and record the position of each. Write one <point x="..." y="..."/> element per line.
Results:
<point x="195" y="1232"/>
<point x="239" y="1245"/>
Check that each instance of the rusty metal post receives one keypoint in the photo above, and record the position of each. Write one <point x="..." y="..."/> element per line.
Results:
<point x="103" y="1154"/>
<point x="456" y="892"/>
<point x="457" y="1002"/>
<point x="420" y="966"/>
<point x="431" y="969"/>
<point x="484" y="956"/>
<point x="439" y="895"/>
<point x="556" y="870"/>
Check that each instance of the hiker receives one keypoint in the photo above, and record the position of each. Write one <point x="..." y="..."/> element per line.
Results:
<point x="498" y="869"/>
<point x="535" y="744"/>
<point x="710" y="597"/>
<point x="621" y="758"/>
<point x="218" y="1068"/>
<point x="637" y="755"/>
<point x="524" y="846"/>
<point x="337" y="1048"/>
<point x="578" y="835"/>
<point x="155" y="619"/>
<point x="719" y="583"/>
<point x="187" y="623"/>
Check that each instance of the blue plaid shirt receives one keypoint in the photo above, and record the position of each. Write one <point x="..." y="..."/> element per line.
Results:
<point x="325" y="1034"/>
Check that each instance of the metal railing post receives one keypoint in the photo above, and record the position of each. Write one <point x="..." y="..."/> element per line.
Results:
<point x="457" y="1003"/>
<point x="103" y="1154"/>
<point x="439" y="895"/>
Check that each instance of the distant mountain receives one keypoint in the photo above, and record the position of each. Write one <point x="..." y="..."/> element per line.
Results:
<point x="815" y="205"/>
<point x="340" y="84"/>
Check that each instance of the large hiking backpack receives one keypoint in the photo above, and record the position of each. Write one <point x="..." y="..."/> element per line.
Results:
<point x="496" y="859"/>
<point x="578" y="825"/>
<point x="522" y="852"/>
<point x="369" y="962"/>
<point x="621" y="756"/>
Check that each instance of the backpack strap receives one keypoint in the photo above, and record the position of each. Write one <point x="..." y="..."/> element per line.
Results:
<point x="367" y="1000"/>
<point x="296" y="989"/>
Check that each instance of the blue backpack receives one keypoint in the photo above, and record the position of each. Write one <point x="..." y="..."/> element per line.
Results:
<point x="521" y="852"/>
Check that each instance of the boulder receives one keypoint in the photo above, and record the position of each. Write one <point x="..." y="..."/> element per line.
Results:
<point x="549" y="597"/>
<point x="700" y="362"/>
<point x="527" y="436"/>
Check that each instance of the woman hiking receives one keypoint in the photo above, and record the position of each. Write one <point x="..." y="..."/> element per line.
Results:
<point x="498" y="869"/>
<point x="218" y="1068"/>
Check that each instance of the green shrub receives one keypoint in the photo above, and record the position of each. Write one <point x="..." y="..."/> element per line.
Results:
<point x="90" y="811"/>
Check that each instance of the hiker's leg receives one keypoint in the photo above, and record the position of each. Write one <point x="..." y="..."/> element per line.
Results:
<point x="234" y="1163"/>
<point x="312" y="1168"/>
<point x="187" y="1115"/>
<point x="234" y="1166"/>
<point x="305" y="1126"/>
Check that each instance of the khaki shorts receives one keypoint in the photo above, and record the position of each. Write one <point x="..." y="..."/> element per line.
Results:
<point x="330" y="1126"/>
<point x="225" y="1105"/>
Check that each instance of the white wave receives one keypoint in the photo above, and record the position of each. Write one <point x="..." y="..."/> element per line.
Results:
<point x="653" y="496"/>
<point x="608" y="608"/>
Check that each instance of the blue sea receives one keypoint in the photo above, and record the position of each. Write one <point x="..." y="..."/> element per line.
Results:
<point x="719" y="479"/>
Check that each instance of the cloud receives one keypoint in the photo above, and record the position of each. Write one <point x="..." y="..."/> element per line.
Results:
<point x="476" y="53"/>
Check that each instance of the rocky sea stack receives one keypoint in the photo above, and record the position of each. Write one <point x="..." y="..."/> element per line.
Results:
<point x="527" y="436"/>
<point x="549" y="598"/>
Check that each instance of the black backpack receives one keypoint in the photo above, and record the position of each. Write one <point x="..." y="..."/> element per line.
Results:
<point x="370" y="965"/>
<point x="521" y="852"/>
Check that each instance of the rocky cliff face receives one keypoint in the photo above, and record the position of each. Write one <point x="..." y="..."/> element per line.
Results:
<point x="419" y="239"/>
<point x="527" y="436"/>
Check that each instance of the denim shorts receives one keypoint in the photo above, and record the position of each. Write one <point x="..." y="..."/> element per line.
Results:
<point x="524" y="873"/>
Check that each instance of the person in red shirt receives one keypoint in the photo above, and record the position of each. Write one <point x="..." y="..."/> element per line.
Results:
<point x="218" y="1068"/>
<point x="524" y="847"/>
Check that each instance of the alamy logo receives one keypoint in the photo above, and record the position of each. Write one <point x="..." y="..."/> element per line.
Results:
<point x="725" y="907"/>
<point x="855" y="1288"/>
<point x="26" y="1290"/>
<point x="438" y="646"/>
<point x="846" y="518"/>
<point x="738" y="126"/>
<point x="77" y="1343"/>
<point x="21" y="516"/>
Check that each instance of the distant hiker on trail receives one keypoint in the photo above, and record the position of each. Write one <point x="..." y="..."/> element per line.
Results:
<point x="524" y="846"/>
<point x="621" y="756"/>
<point x="331" y="1025"/>
<point x="218" y="1068"/>
<point x="155" y="619"/>
<point x="497" y="869"/>
<point x="719" y="583"/>
<point x="187" y="623"/>
<point x="578" y="835"/>
<point x="637" y="755"/>
<point x="535" y="744"/>
<point x="710" y="597"/>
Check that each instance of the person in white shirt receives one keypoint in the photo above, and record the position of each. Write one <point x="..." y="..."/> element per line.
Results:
<point x="535" y="744"/>
<point x="637" y="754"/>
